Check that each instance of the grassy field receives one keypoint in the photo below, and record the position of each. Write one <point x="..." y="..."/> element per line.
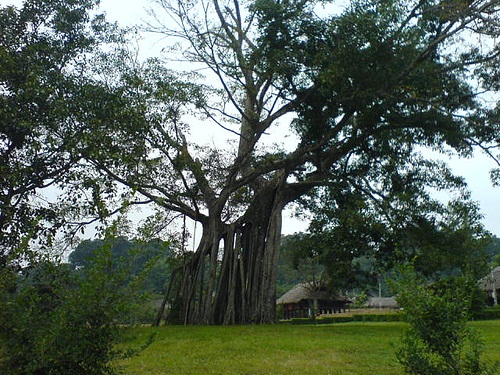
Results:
<point x="347" y="348"/>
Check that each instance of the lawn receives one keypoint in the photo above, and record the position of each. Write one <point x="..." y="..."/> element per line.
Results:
<point x="345" y="348"/>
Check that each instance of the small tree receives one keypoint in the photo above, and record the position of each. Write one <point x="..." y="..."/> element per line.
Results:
<point x="439" y="340"/>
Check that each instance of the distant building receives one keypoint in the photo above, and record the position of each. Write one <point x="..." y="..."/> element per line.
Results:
<point x="309" y="299"/>
<point x="491" y="284"/>
<point x="382" y="302"/>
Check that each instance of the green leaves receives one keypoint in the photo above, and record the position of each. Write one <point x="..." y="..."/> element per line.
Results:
<point x="55" y="321"/>
<point x="439" y="340"/>
<point x="42" y="45"/>
<point x="58" y="318"/>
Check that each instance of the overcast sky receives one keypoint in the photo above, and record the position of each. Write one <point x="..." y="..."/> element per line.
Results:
<point x="477" y="174"/>
<point x="475" y="170"/>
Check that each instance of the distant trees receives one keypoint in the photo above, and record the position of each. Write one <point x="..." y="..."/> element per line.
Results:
<point x="493" y="251"/>
<point x="148" y="260"/>
<point x="300" y="254"/>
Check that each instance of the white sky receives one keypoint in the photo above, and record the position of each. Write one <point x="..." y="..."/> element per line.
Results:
<point x="477" y="174"/>
<point x="475" y="170"/>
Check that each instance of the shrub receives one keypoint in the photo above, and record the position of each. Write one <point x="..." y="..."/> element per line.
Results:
<point x="54" y="321"/>
<point x="488" y="313"/>
<point x="360" y="301"/>
<point x="439" y="340"/>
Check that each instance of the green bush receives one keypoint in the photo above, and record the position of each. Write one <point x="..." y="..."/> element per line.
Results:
<point x="439" y="340"/>
<point x="141" y="311"/>
<point x="488" y="313"/>
<point x="54" y="321"/>
<point x="360" y="301"/>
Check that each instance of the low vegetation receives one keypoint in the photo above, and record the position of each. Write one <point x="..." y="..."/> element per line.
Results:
<point x="439" y="339"/>
<point x="348" y="348"/>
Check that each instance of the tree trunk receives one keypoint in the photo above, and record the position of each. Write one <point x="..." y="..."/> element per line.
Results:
<point x="235" y="283"/>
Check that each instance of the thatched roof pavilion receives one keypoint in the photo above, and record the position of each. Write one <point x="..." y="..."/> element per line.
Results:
<point x="491" y="284"/>
<point x="303" y="291"/>
<point x="308" y="299"/>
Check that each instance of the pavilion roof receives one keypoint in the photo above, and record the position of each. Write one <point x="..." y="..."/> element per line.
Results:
<point x="491" y="281"/>
<point x="311" y="290"/>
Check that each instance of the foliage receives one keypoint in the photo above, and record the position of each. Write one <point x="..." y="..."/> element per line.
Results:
<point x="362" y="235"/>
<point x="288" y="276"/>
<point x="360" y="300"/>
<point x="43" y="53"/>
<point x="149" y="265"/>
<point x="487" y="313"/>
<point x="321" y="253"/>
<point x="55" y="321"/>
<point x="439" y="340"/>
<point x="299" y="257"/>
<point x="493" y="251"/>
<point x="362" y="89"/>
<point x="496" y="261"/>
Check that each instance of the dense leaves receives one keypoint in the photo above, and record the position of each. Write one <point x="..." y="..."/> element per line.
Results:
<point x="54" y="321"/>
<point x="360" y="235"/>
<point x="44" y="47"/>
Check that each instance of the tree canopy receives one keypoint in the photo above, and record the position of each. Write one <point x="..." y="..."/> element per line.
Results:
<point x="313" y="99"/>
<point x="45" y="88"/>
<point x="365" y="88"/>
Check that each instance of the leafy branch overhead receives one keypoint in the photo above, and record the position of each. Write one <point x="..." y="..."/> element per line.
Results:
<point x="43" y="52"/>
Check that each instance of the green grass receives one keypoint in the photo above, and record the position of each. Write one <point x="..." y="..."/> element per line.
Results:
<point x="348" y="348"/>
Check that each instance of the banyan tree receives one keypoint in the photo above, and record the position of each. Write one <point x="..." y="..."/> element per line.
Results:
<point x="303" y="95"/>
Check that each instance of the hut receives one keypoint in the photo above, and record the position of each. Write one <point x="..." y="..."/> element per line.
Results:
<point x="491" y="284"/>
<point x="310" y="299"/>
